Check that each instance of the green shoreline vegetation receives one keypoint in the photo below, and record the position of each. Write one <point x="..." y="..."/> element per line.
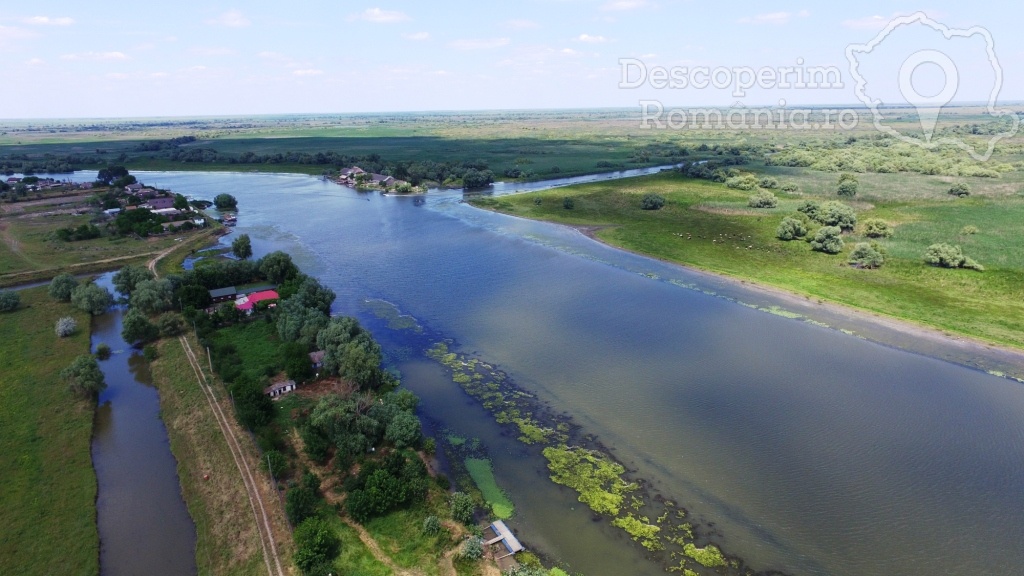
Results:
<point x="48" y="504"/>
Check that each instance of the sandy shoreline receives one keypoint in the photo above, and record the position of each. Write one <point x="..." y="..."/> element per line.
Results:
<point x="966" y="346"/>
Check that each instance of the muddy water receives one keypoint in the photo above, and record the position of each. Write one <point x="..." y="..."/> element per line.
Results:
<point x="143" y="523"/>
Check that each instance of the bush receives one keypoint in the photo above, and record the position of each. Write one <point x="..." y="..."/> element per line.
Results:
<point x="103" y="351"/>
<point x="960" y="189"/>
<point x="149" y="353"/>
<point x="847" y="185"/>
<point x="315" y="544"/>
<point x="828" y="240"/>
<point x="66" y="326"/>
<point x="62" y="286"/>
<point x="790" y="229"/>
<point x="568" y="203"/>
<point x="768" y="183"/>
<point x="744" y="182"/>
<point x="169" y="324"/>
<point x="472" y="548"/>
<point x="789" y="187"/>
<point x="877" y="228"/>
<point x="969" y="229"/>
<point x="834" y="213"/>
<point x="946" y="256"/>
<point x="866" y="255"/>
<point x="301" y="503"/>
<point x="763" y="199"/>
<point x="810" y="208"/>
<point x="431" y="525"/>
<point x="461" y="506"/>
<point x="652" y="202"/>
<point x="92" y="299"/>
<point x="9" y="300"/>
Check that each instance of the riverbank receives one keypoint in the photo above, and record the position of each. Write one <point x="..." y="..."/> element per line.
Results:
<point x="975" y="313"/>
<point x="47" y="506"/>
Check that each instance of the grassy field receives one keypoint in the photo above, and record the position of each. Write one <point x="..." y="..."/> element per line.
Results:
<point x="709" y="226"/>
<point x="47" y="506"/>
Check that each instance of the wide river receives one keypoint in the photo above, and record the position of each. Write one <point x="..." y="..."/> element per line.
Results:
<point x="811" y="450"/>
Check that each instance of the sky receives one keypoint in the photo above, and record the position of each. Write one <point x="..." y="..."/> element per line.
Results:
<point x="145" y="59"/>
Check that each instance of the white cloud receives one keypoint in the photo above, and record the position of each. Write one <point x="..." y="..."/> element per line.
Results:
<point x="771" y="17"/>
<point x="35" y="62"/>
<point x="276" y="57"/>
<point x="591" y="39"/>
<point x="570" y="52"/>
<point x="521" y="24"/>
<point x="308" y="72"/>
<point x="378" y="16"/>
<point x="95" y="56"/>
<point x="158" y="74"/>
<point x="868" y="23"/>
<point x="622" y="5"/>
<point x="117" y="76"/>
<point x="417" y="36"/>
<point x="479" y="43"/>
<point x="231" y="19"/>
<point x="47" y="21"/>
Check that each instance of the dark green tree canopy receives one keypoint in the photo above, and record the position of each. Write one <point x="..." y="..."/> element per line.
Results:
<point x="84" y="377"/>
<point x="241" y="247"/>
<point x="91" y="298"/>
<point x="129" y="277"/>
<point x="225" y="202"/>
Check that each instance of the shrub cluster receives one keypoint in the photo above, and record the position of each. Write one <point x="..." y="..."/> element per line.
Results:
<point x="947" y="256"/>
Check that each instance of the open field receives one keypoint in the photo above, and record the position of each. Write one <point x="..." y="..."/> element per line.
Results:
<point x="709" y="226"/>
<point x="47" y="507"/>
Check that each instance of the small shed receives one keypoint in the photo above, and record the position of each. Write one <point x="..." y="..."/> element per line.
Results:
<point x="317" y="358"/>
<point x="279" y="388"/>
<point x="223" y="294"/>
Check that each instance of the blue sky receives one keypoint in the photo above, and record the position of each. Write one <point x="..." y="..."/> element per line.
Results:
<point x="115" y="59"/>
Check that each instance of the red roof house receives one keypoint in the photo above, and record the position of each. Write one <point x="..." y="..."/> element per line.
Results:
<point x="246" y="303"/>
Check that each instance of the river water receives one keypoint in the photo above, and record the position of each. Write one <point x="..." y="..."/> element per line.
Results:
<point x="143" y="523"/>
<point x="810" y="450"/>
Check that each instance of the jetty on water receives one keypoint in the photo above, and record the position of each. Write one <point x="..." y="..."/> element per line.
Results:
<point x="505" y="536"/>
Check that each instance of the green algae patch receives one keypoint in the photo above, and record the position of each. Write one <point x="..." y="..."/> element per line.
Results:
<point x="641" y="530"/>
<point x="480" y="470"/>
<point x="392" y="315"/>
<point x="597" y="479"/>
<point x="709" y="556"/>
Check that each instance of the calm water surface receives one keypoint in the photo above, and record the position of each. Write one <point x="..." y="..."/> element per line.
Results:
<point x="143" y="523"/>
<point x="810" y="450"/>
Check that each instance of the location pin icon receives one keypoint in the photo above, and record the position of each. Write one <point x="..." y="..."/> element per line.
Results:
<point x="928" y="107"/>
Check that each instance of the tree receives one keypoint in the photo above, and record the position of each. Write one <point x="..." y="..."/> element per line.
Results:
<point x="169" y="325"/>
<point x="136" y="327"/>
<point x="129" y="277"/>
<point x="91" y="298"/>
<point x="568" y="203"/>
<point x="477" y="178"/>
<point x="277" y="267"/>
<point x="652" y="202"/>
<point x="763" y="199"/>
<point x="300" y="503"/>
<point x="960" y="189"/>
<point x="180" y="202"/>
<point x="153" y="296"/>
<point x="790" y="229"/>
<point x="877" y="228"/>
<point x="66" y="326"/>
<point x="946" y="256"/>
<point x="828" y="240"/>
<point x="315" y="544"/>
<point x="847" y="185"/>
<point x="225" y="202"/>
<point x="865" y="255"/>
<point x="404" y="430"/>
<point x="9" y="300"/>
<point x="61" y="287"/>
<point x="110" y="173"/>
<point x="241" y="247"/>
<point x="296" y="323"/>
<point x="461" y="506"/>
<point x="84" y="376"/>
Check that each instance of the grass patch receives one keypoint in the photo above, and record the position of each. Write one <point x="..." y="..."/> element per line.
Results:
<point x="48" y="504"/>
<point x="988" y="305"/>
<point x="257" y="345"/>
<point x="228" y="542"/>
<point x="483" y="475"/>
<point x="355" y="559"/>
<point x="400" y="535"/>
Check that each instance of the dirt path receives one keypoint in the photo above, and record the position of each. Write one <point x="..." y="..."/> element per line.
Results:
<point x="259" y="510"/>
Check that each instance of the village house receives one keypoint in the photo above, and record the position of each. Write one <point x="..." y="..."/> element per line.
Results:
<point x="160" y="203"/>
<point x="248" y="303"/>
<point x="223" y="294"/>
<point x="133" y="188"/>
<point x="279" y="388"/>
